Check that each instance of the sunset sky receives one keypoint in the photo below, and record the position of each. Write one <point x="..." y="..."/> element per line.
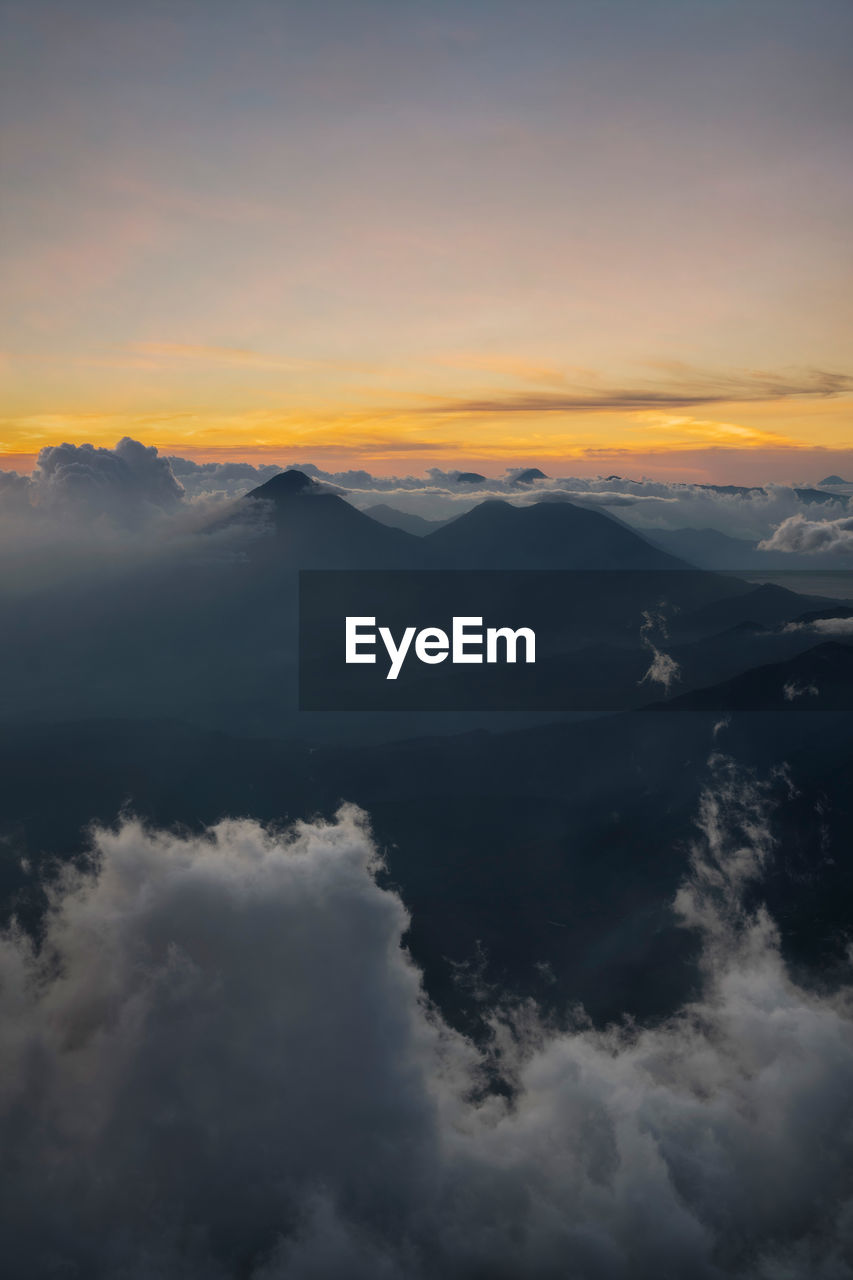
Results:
<point x="594" y="236"/>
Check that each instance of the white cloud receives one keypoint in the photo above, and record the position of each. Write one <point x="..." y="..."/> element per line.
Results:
<point x="824" y="626"/>
<point x="220" y="1064"/>
<point x="119" y="481"/>
<point x="800" y="534"/>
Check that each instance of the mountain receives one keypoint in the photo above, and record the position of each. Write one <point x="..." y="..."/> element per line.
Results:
<point x="316" y="529"/>
<point x="821" y="679"/>
<point x="406" y="520"/>
<point x="711" y="659"/>
<point x="711" y="549"/>
<point x="837" y="612"/>
<point x="548" y="535"/>
<point x="744" y="491"/>
<point x="767" y="604"/>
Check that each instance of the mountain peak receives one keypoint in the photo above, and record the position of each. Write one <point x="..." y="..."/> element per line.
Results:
<point x="285" y="484"/>
<point x="545" y="535"/>
<point x="528" y="476"/>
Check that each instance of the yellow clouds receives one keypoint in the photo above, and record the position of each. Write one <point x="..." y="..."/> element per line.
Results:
<point x="680" y="431"/>
<point x="200" y="398"/>
<point x="377" y="435"/>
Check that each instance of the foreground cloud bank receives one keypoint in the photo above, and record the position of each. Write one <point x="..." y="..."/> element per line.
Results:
<point x="221" y="1064"/>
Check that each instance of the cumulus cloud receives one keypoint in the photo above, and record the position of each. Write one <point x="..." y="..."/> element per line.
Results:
<point x="91" y="513"/>
<point x="799" y="534"/>
<point x="220" y="1063"/>
<point x="14" y="491"/>
<point x="120" y="480"/>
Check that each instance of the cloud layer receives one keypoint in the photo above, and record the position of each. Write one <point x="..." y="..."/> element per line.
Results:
<point x="220" y="1063"/>
<point x="132" y="485"/>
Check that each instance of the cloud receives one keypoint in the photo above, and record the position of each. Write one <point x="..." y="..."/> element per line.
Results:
<point x="98" y="516"/>
<point x="824" y="626"/>
<point x="85" y="510"/>
<point x="220" y="1063"/>
<point x="123" y="481"/>
<point x="14" y="491"/>
<point x="230" y="478"/>
<point x="747" y="512"/>
<point x="799" y="534"/>
<point x="134" y="483"/>
<point x="694" y="388"/>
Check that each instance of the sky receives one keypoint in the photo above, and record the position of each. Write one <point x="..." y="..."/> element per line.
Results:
<point x="608" y="236"/>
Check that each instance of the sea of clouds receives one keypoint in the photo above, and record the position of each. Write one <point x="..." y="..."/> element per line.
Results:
<point x="133" y="485"/>
<point x="220" y="1063"/>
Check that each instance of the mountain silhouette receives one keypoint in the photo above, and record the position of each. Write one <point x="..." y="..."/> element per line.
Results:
<point x="711" y="549"/>
<point x="407" y="520"/>
<point x="766" y="604"/>
<point x="318" y="529"/>
<point x="821" y="679"/>
<point x="497" y="535"/>
<point x="838" y="611"/>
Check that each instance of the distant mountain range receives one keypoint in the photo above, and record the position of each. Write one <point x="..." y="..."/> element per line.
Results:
<point x="821" y="679"/>
<point x="711" y="549"/>
<point x="767" y="605"/>
<point x="418" y="525"/>
<point x="317" y="528"/>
